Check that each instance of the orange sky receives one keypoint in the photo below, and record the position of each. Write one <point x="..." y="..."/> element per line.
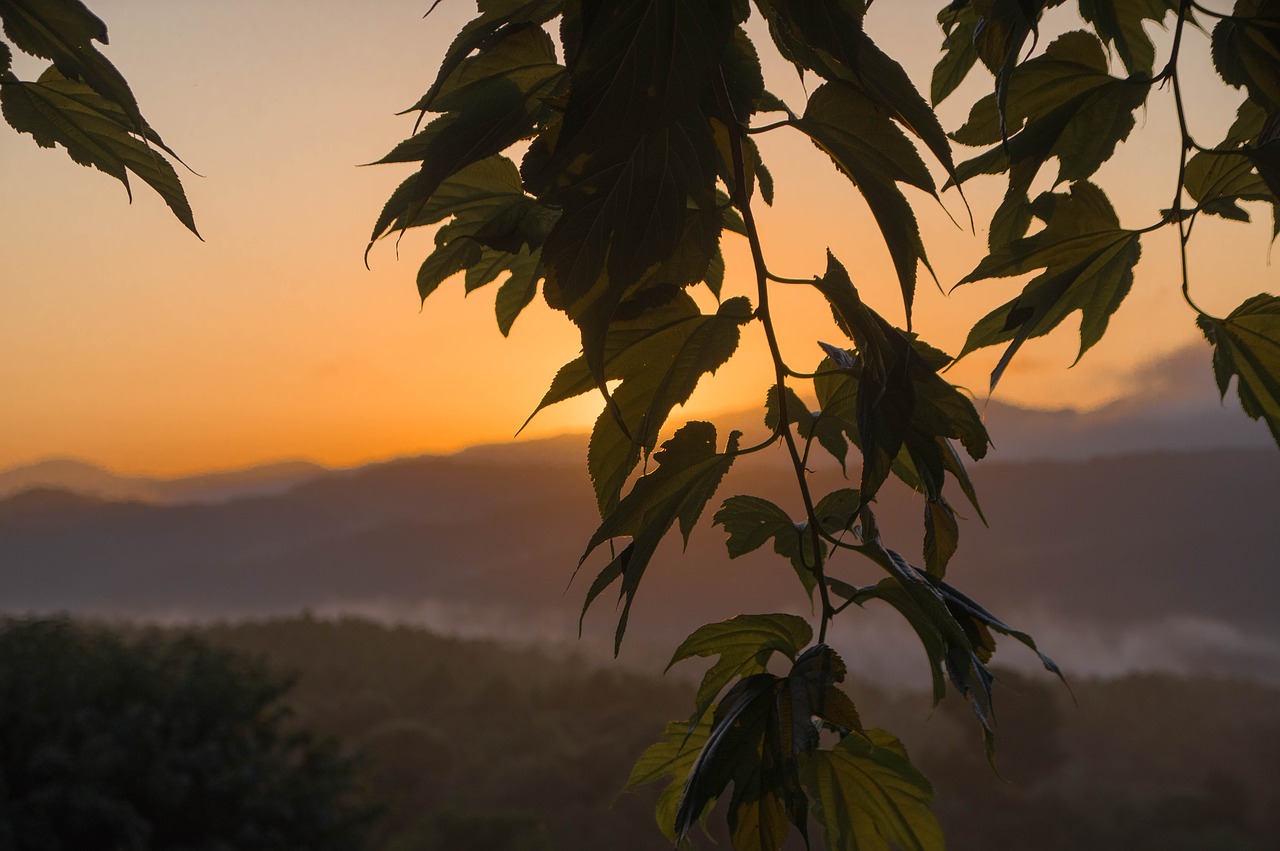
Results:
<point x="126" y="341"/>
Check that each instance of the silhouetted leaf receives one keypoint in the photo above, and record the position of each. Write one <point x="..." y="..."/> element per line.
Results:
<point x="1246" y="50"/>
<point x="689" y="471"/>
<point x="1088" y="262"/>
<point x="496" y="15"/>
<point x="959" y="55"/>
<point x="1120" y="23"/>
<point x="63" y="31"/>
<point x="744" y="644"/>
<point x="95" y="131"/>
<point x="809" y="425"/>
<point x="752" y="522"/>
<point x="1247" y="345"/>
<point x="941" y="535"/>
<point x="870" y="149"/>
<point x="867" y="794"/>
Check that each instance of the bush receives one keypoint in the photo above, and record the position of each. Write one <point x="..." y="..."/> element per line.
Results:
<point x="158" y="743"/>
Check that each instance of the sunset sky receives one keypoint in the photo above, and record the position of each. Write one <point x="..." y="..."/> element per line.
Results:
<point x="126" y="341"/>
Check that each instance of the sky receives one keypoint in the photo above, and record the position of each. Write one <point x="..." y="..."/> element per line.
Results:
<point x="126" y="341"/>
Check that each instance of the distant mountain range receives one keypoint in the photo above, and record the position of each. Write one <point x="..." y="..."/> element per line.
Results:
<point x="1117" y="560"/>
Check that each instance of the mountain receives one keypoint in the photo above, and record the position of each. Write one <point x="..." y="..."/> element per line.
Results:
<point x="1160" y="560"/>
<point x="85" y="478"/>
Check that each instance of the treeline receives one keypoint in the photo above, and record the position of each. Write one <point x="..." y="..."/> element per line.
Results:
<point x="474" y="746"/>
<point x="396" y="739"/>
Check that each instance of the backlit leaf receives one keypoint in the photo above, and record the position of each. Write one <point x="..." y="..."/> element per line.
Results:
<point x="689" y="471"/>
<point x="1120" y="23"/>
<point x="1088" y="262"/>
<point x="867" y="794"/>
<point x="1246" y="345"/>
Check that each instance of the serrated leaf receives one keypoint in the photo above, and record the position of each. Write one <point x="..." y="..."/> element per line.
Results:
<point x="959" y="55"/>
<point x="744" y="644"/>
<point x="1246" y="345"/>
<point x="1088" y="262"/>
<point x="752" y="522"/>
<point x="498" y="99"/>
<point x="867" y="794"/>
<point x="672" y="757"/>
<point x="941" y="535"/>
<point x="1062" y="105"/>
<point x="1246" y="51"/>
<point x="809" y="425"/>
<point x="95" y="131"/>
<point x="1120" y="23"/>
<point x="496" y="15"/>
<point x="63" y="31"/>
<point x="517" y="291"/>
<point x="875" y="155"/>
<point x="659" y="357"/>
<point x="689" y="471"/>
<point x="889" y="399"/>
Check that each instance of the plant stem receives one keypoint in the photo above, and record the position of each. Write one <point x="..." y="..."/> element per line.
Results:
<point x="742" y="201"/>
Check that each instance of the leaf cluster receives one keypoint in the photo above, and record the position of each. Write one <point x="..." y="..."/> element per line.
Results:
<point x="81" y="101"/>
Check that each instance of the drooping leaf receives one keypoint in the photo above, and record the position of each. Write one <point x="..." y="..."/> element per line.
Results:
<point x="809" y="425"/>
<point x="869" y="148"/>
<point x="958" y="53"/>
<point x="1062" y="104"/>
<point x="1120" y="23"/>
<point x="867" y="794"/>
<point x="659" y="357"/>
<point x="1088" y="262"/>
<point x="889" y="399"/>
<point x="672" y="757"/>
<point x="744" y="644"/>
<point x="63" y="31"/>
<point x="495" y="16"/>
<point x="498" y="98"/>
<point x="95" y="132"/>
<point x="752" y="522"/>
<point x="689" y="471"/>
<point x="941" y="535"/>
<point x="1246" y="344"/>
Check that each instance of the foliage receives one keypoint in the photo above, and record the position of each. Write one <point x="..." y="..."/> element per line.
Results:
<point x="640" y="159"/>
<point x="157" y="743"/>
<point x="81" y="101"/>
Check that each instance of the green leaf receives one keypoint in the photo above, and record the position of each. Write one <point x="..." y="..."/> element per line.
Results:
<point x="875" y="155"/>
<point x="1088" y="262"/>
<point x="959" y="55"/>
<point x="6" y="58"/>
<point x="517" y="291"/>
<point x="63" y="31"/>
<point x="744" y="644"/>
<point x="752" y="522"/>
<point x="1120" y="23"/>
<point x="689" y="471"/>
<point x="867" y="794"/>
<point x="941" y="535"/>
<point x="672" y="757"/>
<point x="1246" y="51"/>
<point x="1246" y="344"/>
<point x="95" y="131"/>
<point x="810" y="426"/>
<point x="498" y="99"/>
<point x="659" y="357"/>
<point x="496" y="16"/>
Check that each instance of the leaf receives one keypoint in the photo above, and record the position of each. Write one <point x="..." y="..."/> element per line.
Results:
<point x="867" y="794"/>
<point x="809" y="426"/>
<point x="744" y="644"/>
<point x="499" y="98"/>
<point x="659" y="357"/>
<point x="1120" y="23"/>
<point x="889" y="399"/>
<point x="941" y="535"/>
<point x="1246" y="344"/>
<point x="959" y="55"/>
<point x="1062" y="104"/>
<point x="752" y="522"/>
<point x="868" y="147"/>
<point x="95" y="131"/>
<point x="688" y="473"/>
<point x="63" y="31"/>
<point x="517" y="292"/>
<point x="672" y="757"/>
<point x="496" y="15"/>
<point x="1246" y="51"/>
<point x="1088" y="262"/>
